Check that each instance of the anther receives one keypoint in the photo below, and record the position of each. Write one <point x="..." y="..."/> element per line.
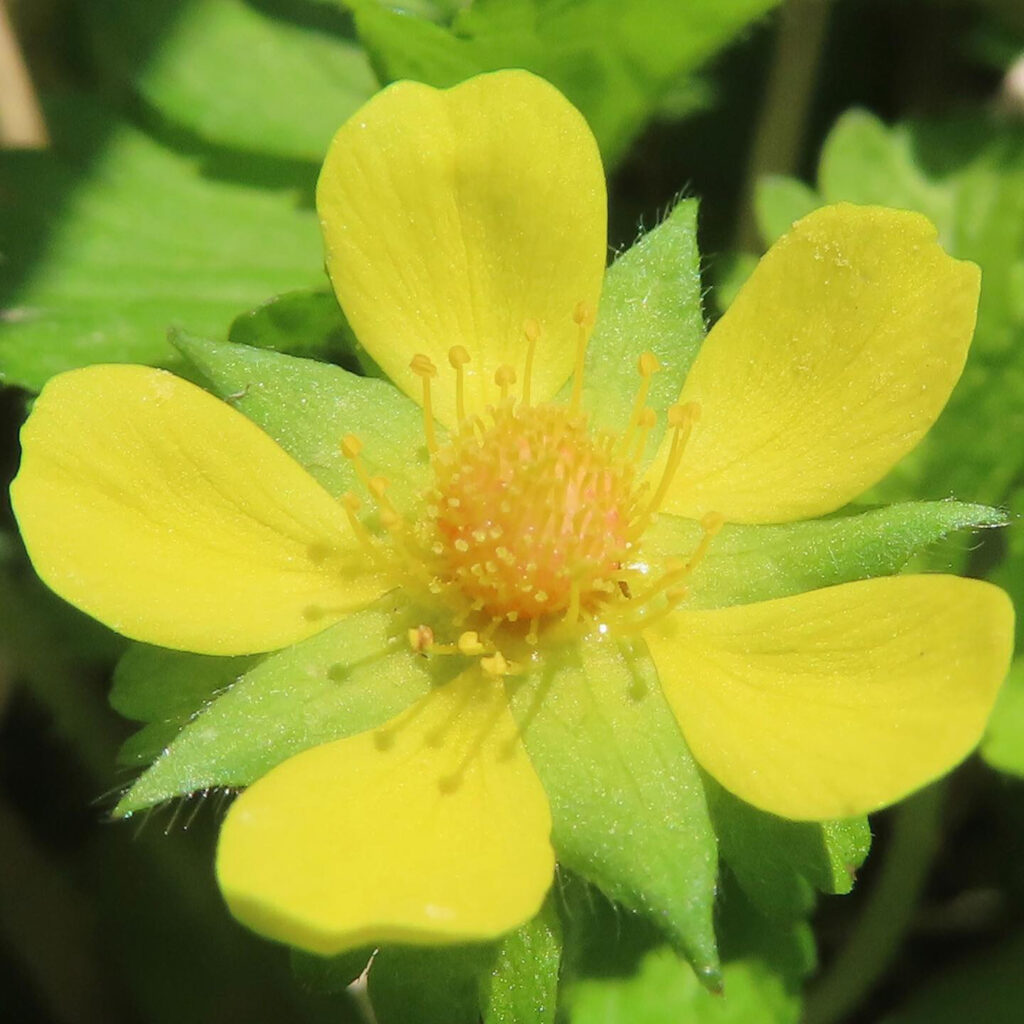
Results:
<point x="351" y="446"/>
<point x="495" y="664"/>
<point x="426" y="371"/>
<point x="421" y="639"/>
<point x="458" y="357"/>
<point x="469" y="643"/>
<point x="533" y="334"/>
<point x="505" y="377"/>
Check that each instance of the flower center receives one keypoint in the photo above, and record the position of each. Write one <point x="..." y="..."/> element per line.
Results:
<point x="533" y="514"/>
<point x="533" y="522"/>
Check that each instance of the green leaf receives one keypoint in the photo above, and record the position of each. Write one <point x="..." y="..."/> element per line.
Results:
<point x="165" y="689"/>
<point x="651" y="302"/>
<point x="756" y="563"/>
<point x="778" y="863"/>
<point x="779" y="202"/>
<point x="616" y="62"/>
<point x="349" y="678"/>
<point x="102" y="255"/>
<point x="233" y="74"/>
<point x="1003" y="745"/>
<point x="626" y="798"/>
<point x="409" y="985"/>
<point x="522" y="987"/>
<point x="665" y="991"/>
<point x="308" y="407"/>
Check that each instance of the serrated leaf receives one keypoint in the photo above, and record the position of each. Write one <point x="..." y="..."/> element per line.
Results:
<point x="665" y="991"/>
<point x="778" y="863"/>
<point x="409" y="985"/>
<point x="522" y="986"/>
<point x="308" y="407"/>
<point x="349" y="678"/>
<point x="103" y="254"/>
<point x="756" y="563"/>
<point x="626" y="797"/>
<point x="650" y="302"/>
<point x="234" y="74"/>
<point x="614" y="61"/>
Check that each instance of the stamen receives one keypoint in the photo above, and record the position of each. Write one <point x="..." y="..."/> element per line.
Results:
<point x="648" y="418"/>
<point x="351" y="504"/>
<point x="533" y="334"/>
<point x="505" y="377"/>
<point x="584" y="320"/>
<point x="426" y="370"/>
<point x="572" y="613"/>
<point x="681" y="418"/>
<point x="648" y="366"/>
<point x="458" y="357"/>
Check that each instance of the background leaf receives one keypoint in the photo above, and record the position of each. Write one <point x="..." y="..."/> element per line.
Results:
<point x="135" y="240"/>
<point x="615" y="62"/>
<point x="234" y="74"/>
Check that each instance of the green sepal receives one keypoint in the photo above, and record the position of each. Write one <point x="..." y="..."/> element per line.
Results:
<point x="144" y="239"/>
<point x="779" y="863"/>
<point x="627" y="801"/>
<point x="308" y="407"/>
<point x="351" y="677"/>
<point x="429" y="985"/>
<point x="651" y="302"/>
<point x="165" y="689"/>
<point x="328" y="975"/>
<point x="522" y="984"/>
<point x="757" y="563"/>
<point x="232" y="73"/>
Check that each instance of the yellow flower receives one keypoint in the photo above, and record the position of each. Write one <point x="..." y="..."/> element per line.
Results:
<point x="465" y="234"/>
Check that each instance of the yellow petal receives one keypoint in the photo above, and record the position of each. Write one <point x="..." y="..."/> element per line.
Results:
<point x="453" y="217"/>
<point x="170" y="517"/>
<point x="831" y="364"/>
<point x="839" y="701"/>
<point x="432" y="829"/>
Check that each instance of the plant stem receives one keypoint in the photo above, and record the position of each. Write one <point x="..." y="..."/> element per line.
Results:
<point x="781" y="127"/>
<point x="887" y="915"/>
